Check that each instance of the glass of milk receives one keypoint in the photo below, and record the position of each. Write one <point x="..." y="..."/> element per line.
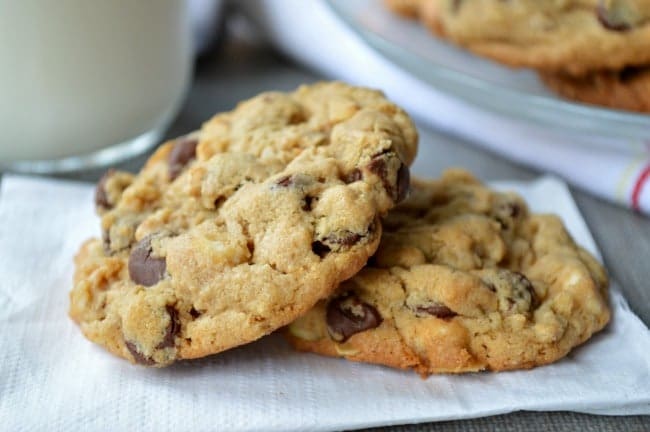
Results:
<point x="86" y="83"/>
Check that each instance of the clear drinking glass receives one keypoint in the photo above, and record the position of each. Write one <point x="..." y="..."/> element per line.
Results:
<point x="87" y="83"/>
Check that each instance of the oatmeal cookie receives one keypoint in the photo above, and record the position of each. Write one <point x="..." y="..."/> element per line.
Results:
<point x="573" y="37"/>
<point x="628" y="89"/>
<point x="235" y="230"/>
<point x="465" y="279"/>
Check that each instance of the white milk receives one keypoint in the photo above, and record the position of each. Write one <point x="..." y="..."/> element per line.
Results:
<point x="80" y="75"/>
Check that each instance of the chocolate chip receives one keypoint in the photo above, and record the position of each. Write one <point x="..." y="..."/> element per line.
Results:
<point x="184" y="151"/>
<point x="194" y="313"/>
<point x="403" y="183"/>
<point x="320" y="248"/>
<point x="348" y="315"/>
<point x="137" y="356"/>
<point x="308" y="200"/>
<point x="338" y="240"/>
<point x="101" y="197"/>
<point x="345" y="238"/>
<point x="437" y="310"/>
<point x="612" y="18"/>
<point x="173" y="328"/>
<point x="106" y="242"/>
<point x="353" y="176"/>
<point x="145" y="269"/>
<point x="505" y="212"/>
<point x="378" y="166"/>
<point x="296" y="118"/>
<point x="513" y="209"/>
<point x="285" y="181"/>
<point x="630" y="73"/>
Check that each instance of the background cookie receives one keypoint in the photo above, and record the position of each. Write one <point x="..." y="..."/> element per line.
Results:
<point x="628" y="89"/>
<point x="464" y="279"/>
<point x="407" y="8"/>
<point x="234" y="231"/>
<point x="569" y="36"/>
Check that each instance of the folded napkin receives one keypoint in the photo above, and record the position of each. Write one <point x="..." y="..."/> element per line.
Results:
<point x="313" y="34"/>
<point x="51" y="378"/>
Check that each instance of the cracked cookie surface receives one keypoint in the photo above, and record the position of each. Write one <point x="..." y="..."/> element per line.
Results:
<point x="235" y="230"/>
<point x="465" y="279"/>
<point x="573" y="37"/>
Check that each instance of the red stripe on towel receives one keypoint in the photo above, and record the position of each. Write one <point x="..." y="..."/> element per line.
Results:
<point x="638" y="187"/>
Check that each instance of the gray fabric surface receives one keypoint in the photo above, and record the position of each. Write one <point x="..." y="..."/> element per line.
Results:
<point x="237" y="70"/>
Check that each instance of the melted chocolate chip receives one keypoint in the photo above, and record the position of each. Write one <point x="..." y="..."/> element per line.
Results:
<point x="353" y="176"/>
<point x="403" y="183"/>
<point x="610" y="20"/>
<point x="101" y="197"/>
<point x="505" y="212"/>
<point x="137" y="356"/>
<point x="184" y="151"/>
<point x="378" y="166"/>
<point x="630" y="73"/>
<point x="320" y="248"/>
<point x="348" y="315"/>
<point x="145" y="269"/>
<point x="106" y="242"/>
<point x="397" y="191"/>
<point x="307" y="203"/>
<point x="342" y="238"/>
<point x="437" y="310"/>
<point x="512" y="209"/>
<point x="296" y="118"/>
<point x="194" y="313"/>
<point x="250" y="245"/>
<point x="285" y="181"/>
<point x="346" y="238"/>
<point x="173" y="328"/>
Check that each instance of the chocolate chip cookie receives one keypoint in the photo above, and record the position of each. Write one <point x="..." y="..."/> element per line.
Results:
<point x="628" y="89"/>
<point x="406" y="8"/>
<point x="569" y="36"/>
<point x="465" y="279"/>
<point x="236" y="230"/>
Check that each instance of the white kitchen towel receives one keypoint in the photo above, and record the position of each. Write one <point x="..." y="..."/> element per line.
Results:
<point x="313" y="34"/>
<point x="53" y="379"/>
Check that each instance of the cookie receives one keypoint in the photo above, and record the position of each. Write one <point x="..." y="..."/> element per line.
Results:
<point x="406" y="8"/>
<point x="628" y="89"/>
<point x="569" y="36"/>
<point x="465" y="279"/>
<point x="236" y="230"/>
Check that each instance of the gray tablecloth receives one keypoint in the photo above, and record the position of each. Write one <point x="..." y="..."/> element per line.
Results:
<point x="235" y="70"/>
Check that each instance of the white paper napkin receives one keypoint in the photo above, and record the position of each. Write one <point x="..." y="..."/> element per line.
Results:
<point x="51" y="378"/>
<point x="310" y="32"/>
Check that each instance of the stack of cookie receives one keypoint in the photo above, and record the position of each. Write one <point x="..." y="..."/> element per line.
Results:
<point x="592" y="51"/>
<point x="284" y="214"/>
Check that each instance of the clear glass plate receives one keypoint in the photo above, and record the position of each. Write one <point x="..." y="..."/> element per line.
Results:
<point x="516" y="93"/>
